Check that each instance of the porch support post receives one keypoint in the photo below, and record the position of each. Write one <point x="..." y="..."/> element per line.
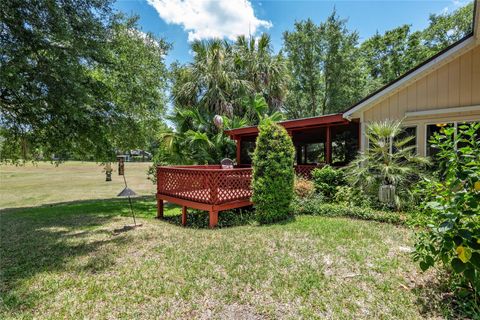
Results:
<point x="305" y="153"/>
<point x="328" y="147"/>
<point x="299" y="155"/>
<point x="184" y="216"/>
<point x="159" y="208"/>
<point x="239" y="148"/>
<point x="213" y="218"/>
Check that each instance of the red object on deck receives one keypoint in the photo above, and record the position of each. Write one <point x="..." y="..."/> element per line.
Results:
<point x="209" y="188"/>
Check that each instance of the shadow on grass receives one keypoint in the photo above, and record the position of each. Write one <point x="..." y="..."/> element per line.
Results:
<point x="198" y="219"/>
<point x="49" y="238"/>
<point x="141" y="200"/>
<point x="435" y="298"/>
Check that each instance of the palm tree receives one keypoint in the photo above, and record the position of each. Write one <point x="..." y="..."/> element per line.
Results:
<point x="198" y="139"/>
<point x="211" y="81"/>
<point x="390" y="160"/>
<point x="222" y="75"/>
<point x="255" y="62"/>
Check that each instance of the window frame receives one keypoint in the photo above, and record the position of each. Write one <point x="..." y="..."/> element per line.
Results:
<point x="404" y="126"/>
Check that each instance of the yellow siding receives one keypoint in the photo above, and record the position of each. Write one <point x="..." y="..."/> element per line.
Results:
<point x="466" y="80"/>
<point x="456" y="84"/>
<point x="453" y="85"/>
<point x="476" y="75"/>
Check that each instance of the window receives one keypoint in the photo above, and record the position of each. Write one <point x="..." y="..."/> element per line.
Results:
<point x="344" y="147"/>
<point x="431" y="130"/>
<point x="246" y="151"/>
<point x="315" y="153"/>
<point x="408" y="132"/>
<point x="311" y="153"/>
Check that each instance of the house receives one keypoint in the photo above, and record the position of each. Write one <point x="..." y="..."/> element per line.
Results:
<point x="442" y="91"/>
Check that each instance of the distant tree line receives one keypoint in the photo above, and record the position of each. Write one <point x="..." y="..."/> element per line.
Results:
<point x="79" y="78"/>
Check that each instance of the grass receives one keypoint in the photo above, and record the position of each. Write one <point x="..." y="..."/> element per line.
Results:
<point x="65" y="261"/>
<point x="33" y="185"/>
<point x="62" y="261"/>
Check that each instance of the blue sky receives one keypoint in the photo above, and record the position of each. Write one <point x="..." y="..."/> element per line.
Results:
<point x="180" y="21"/>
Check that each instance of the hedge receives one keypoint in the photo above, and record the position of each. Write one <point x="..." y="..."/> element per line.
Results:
<point x="320" y="208"/>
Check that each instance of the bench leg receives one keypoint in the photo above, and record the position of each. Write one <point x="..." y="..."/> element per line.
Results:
<point x="159" y="209"/>
<point x="184" y="216"/>
<point x="213" y="219"/>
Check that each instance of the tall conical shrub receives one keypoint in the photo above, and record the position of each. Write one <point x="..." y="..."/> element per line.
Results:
<point x="273" y="173"/>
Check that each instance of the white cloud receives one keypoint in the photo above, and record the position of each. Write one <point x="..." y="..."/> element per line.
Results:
<point x="455" y="4"/>
<point x="205" y="19"/>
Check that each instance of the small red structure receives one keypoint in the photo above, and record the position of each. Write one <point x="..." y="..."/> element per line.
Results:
<point x="209" y="188"/>
<point x="318" y="141"/>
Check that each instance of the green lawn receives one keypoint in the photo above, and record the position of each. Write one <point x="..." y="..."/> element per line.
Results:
<point x="65" y="261"/>
<point x="32" y="185"/>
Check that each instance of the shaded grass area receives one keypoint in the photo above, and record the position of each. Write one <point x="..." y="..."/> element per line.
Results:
<point x="64" y="261"/>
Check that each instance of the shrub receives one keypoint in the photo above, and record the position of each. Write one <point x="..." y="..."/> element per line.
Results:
<point x="326" y="180"/>
<point x="352" y="196"/>
<point x="316" y="206"/>
<point x="273" y="173"/>
<point x="389" y="161"/>
<point x="450" y="233"/>
<point x="304" y="188"/>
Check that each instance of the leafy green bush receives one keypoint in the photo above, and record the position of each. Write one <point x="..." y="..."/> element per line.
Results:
<point x="352" y="196"/>
<point x="450" y="233"/>
<point x="317" y="206"/>
<point x="326" y="180"/>
<point x="273" y="173"/>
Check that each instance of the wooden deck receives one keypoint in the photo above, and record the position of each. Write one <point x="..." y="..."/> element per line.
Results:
<point x="208" y="188"/>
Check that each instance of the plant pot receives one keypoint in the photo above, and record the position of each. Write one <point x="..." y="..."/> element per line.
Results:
<point x="386" y="193"/>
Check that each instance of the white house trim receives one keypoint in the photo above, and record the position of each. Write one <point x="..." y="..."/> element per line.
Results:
<point x="441" y="111"/>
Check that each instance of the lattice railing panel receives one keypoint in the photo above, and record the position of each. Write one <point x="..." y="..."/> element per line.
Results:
<point x="205" y="184"/>
<point x="305" y="170"/>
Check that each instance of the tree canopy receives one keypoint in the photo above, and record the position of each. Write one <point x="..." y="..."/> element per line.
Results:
<point x="75" y="78"/>
<point x="78" y="79"/>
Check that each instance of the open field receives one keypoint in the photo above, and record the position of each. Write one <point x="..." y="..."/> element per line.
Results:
<point x="33" y="185"/>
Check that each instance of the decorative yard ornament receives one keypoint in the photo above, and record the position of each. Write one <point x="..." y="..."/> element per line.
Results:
<point x="108" y="171"/>
<point x="218" y="121"/>
<point x="386" y="193"/>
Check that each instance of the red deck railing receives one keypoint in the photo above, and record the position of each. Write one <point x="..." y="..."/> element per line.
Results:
<point x="208" y="184"/>
<point x="208" y="188"/>
<point x="305" y="170"/>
